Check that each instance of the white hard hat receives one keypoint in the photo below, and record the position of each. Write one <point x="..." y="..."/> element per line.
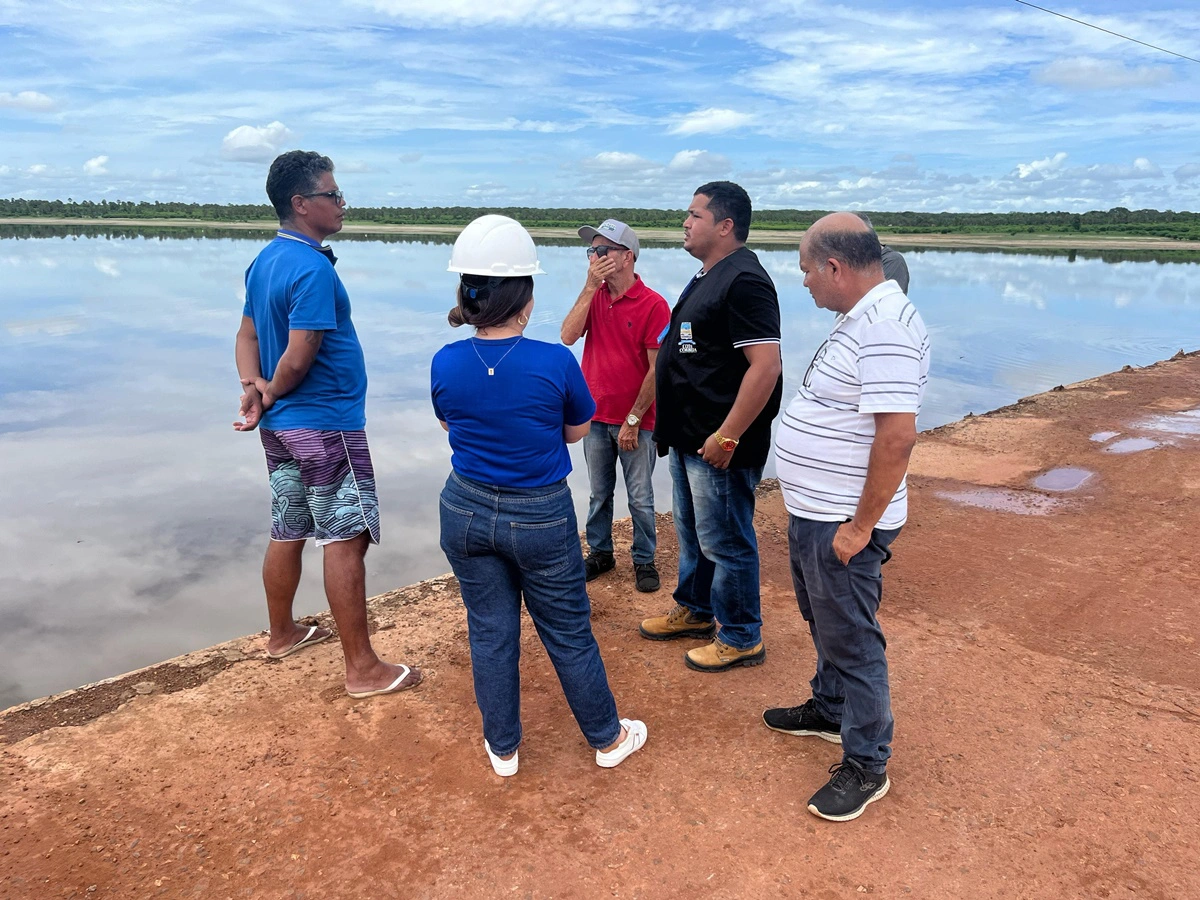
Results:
<point x="497" y="246"/>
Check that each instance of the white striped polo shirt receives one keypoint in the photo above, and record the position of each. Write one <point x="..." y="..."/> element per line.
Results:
<point x="875" y="360"/>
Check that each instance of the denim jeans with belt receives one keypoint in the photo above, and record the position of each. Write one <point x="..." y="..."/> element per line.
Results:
<point x="718" y="549"/>
<point x="503" y="543"/>
<point x="601" y="451"/>
<point x="840" y="603"/>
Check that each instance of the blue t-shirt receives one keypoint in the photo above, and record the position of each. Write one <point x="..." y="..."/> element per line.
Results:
<point x="507" y="429"/>
<point x="292" y="286"/>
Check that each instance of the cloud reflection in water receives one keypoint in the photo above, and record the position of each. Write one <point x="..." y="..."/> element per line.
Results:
<point x="137" y="517"/>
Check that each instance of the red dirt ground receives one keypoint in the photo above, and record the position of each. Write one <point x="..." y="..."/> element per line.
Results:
<point x="1044" y="680"/>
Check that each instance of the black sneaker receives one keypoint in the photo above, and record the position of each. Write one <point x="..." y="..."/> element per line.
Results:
<point x="848" y="792"/>
<point x="803" y="720"/>
<point x="597" y="564"/>
<point x="647" y="577"/>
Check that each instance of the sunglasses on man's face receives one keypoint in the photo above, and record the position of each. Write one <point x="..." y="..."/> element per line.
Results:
<point x="603" y="250"/>
<point x="335" y="196"/>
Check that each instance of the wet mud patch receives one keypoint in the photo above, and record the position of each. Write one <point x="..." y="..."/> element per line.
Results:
<point x="1131" y="445"/>
<point x="1185" y="423"/>
<point x="1067" y="478"/>
<point x="1007" y="500"/>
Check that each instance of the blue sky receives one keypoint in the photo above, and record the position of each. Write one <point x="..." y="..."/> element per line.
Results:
<point x="975" y="106"/>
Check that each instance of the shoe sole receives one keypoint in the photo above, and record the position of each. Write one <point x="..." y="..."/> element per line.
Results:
<point x="823" y="735"/>
<point x="587" y="577"/>
<point x="756" y="660"/>
<point x="691" y="632"/>
<point x="650" y="590"/>
<point x="878" y="795"/>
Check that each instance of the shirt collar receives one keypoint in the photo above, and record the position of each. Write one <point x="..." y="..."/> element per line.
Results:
<point x="325" y="250"/>
<point x="870" y="298"/>
<point x="635" y="290"/>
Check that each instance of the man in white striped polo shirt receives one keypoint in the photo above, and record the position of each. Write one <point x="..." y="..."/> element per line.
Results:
<point x="841" y="452"/>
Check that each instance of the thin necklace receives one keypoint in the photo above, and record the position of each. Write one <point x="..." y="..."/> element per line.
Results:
<point x="492" y="369"/>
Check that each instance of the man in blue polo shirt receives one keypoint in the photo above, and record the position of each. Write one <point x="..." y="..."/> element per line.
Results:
<point x="305" y="383"/>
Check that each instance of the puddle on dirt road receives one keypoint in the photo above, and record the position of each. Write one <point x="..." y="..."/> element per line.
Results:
<point x="1186" y="422"/>
<point x="1067" y="478"/>
<point x="1131" y="445"/>
<point x="1101" y="436"/>
<point x="1023" y="503"/>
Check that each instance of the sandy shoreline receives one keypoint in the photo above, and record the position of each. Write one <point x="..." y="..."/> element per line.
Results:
<point x="674" y="235"/>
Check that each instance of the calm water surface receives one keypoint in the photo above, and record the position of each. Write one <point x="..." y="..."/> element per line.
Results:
<point x="135" y="517"/>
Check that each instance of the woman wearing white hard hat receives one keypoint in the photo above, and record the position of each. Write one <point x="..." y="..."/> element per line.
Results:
<point x="511" y="405"/>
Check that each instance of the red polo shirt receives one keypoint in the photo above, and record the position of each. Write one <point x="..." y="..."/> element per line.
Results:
<point x="619" y="332"/>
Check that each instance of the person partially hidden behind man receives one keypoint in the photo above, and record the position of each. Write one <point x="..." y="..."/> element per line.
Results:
<point x="894" y="266"/>
<point x="720" y="380"/>
<point x="305" y="382"/>
<point x="624" y="321"/>
<point x="841" y="453"/>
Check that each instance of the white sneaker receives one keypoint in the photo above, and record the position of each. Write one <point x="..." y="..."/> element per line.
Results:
<point x="503" y="767"/>
<point x="635" y="739"/>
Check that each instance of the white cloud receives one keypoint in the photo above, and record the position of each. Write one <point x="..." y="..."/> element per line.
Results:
<point x="1023" y="296"/>
<point x="248" y="143"/>
<point x="514" y="124"/>
<point x="488" y="190"/>
<point x="710" y="121"/>
<point x="409" y="158"/>
<point x="37" y="169"/>
<point x="54" y="326"/>
<point x="542" y="13"/>
<point x="693" y="161"/>
<point x="1187" y="172"/>
<point x="614" y="161"/>
<point x="96" y="165"/>
<point x="1088" y="74"/>
<point x="1141" y="168"/>
<point x="107" y="266"/>
<point x="1041" y="167"/>
<point x="30" y="100"/>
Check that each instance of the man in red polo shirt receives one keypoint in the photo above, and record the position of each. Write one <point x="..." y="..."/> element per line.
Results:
<point x="624" y="321"/>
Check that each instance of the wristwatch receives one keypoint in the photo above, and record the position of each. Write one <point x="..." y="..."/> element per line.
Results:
<point x="726" y="443"/>
<point x="632" y="421"/>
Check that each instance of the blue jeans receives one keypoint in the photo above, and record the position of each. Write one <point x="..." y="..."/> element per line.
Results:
<point x="601" y="452"/>
<point x="718" y="550"/>
<point x="503" y="543"/>
<point x="839" y="602"/>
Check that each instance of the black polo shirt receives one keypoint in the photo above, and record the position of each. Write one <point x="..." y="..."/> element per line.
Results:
<point x="701" y="362"/>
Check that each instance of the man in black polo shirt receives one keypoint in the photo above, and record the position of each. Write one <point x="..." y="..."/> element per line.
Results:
<point x="719" y="380"/>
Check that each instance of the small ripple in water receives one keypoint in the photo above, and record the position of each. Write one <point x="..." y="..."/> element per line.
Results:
<point x="1101" y="436"/>
<point x="1023" y="503"/>
<point x="1068" y="478"/>
<point x="1131" y="445"/>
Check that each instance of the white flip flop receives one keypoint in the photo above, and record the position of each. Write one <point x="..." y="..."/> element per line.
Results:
<point x="307" y="641"/>
<point x="394" y="688"/>
<point x="635" y="739"/>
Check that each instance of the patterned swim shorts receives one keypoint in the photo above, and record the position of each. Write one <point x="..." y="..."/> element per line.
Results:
<point x="322" y="485"/>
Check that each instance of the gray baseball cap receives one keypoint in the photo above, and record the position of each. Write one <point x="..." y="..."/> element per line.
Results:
<point x="612" y="230"/>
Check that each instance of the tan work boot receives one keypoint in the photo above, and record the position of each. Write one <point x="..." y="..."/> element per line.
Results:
<point x="719" y="656"/>
<point x="679" y="622"/>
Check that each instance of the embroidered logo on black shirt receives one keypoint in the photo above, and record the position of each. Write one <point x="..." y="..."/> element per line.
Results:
<point x="686" y="344"/>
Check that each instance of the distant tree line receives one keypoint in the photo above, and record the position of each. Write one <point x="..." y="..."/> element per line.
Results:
<point x="1116" y="221"/>
<point x="151" y="232"/>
